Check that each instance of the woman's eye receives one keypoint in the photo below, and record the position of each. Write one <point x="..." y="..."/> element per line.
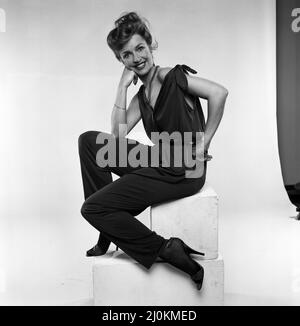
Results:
<point x="141" y="48"/>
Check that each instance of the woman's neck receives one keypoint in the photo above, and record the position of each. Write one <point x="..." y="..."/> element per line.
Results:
<point x="146" y="79"/>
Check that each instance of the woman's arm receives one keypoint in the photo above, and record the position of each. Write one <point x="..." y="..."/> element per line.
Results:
<point x="211" y="91"/>
<point x="118" y="115"/>
<point x="122" y="120"/>
<point x="128" y="119"/>
<point x="216" y="96"/>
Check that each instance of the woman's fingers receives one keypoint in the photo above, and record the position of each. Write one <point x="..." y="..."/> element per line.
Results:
<point x="205" y="158"/>
<point x="127" y="77"/>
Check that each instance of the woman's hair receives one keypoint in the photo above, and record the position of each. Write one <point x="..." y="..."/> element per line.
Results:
<point x="125" y="27"/>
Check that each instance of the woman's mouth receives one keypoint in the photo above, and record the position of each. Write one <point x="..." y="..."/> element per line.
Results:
<point x="141" y="65"/>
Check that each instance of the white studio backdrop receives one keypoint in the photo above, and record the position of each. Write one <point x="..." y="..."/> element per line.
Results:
<point x="58" y="79"/>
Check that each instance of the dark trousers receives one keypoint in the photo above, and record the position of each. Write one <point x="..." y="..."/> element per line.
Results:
<point x="111" y="206"/>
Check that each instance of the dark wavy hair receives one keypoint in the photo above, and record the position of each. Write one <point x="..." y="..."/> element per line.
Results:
<point x="125" y="27"/>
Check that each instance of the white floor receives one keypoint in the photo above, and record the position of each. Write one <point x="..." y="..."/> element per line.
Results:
<point x="45" y="264"/>
<point x="261" y="256"/>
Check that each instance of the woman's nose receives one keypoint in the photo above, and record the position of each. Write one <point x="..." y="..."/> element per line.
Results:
<point x="136" y="58"/>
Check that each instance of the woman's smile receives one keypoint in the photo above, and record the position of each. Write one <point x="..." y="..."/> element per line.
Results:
<point x="141" y="65"/>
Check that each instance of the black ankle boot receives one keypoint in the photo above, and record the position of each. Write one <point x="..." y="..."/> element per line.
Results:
<point x="177" y="253"/>
<point x="100" y="248"/>
<point x="96" y="251"/>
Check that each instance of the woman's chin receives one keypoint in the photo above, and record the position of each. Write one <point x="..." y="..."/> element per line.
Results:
<point x="142" y="72"/>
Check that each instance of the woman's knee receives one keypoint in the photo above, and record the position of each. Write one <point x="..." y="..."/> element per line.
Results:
<point x="86" y="138"/>
<point x="87" y="211"/>
<point x="90" y="137"/>
<point x="91" y="210"/>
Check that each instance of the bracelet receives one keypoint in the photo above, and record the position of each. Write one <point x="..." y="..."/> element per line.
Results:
<point x="118" y="107"/>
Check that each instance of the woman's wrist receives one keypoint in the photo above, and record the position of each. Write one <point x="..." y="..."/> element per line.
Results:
<point x="122" y="87"/>
<point x="120" y="101"/>
<point x="206" y="140"/>
<point x="119" y="107"/>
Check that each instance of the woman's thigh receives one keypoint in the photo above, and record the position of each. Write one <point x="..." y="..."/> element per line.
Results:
<point x="134" y="193"/>
<point x="109" y="153"/>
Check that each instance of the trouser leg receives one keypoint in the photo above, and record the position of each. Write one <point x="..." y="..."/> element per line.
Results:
<point x="94" y="177"/>
<point x="111" y="210"/>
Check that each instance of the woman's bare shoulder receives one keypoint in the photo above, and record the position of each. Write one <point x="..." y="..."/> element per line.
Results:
<point x="162" y="72"/>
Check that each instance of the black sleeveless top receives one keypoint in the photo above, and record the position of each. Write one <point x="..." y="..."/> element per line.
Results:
<point x="171" y="114"/>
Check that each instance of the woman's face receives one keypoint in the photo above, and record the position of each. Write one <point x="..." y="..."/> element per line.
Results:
<point x="136" y="55"/>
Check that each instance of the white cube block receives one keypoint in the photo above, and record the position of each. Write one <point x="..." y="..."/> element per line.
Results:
<point x="194" y="219"/>
<point x="144" y="217"/>
<point x="119" y="280"/>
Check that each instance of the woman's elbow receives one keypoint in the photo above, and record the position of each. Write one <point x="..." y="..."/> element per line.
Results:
<point x="220" y="94"/>
<point x="223" y="92"/>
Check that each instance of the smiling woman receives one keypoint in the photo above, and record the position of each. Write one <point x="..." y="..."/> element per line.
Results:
<point x="168" y="103"/>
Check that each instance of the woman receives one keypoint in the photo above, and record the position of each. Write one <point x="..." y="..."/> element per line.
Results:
<point x="167" y="101"/>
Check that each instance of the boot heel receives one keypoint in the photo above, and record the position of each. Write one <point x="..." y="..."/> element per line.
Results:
<point x="189" y="250"/>
<point x="176" y="253"/>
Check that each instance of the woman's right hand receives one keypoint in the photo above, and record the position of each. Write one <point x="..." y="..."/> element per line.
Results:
<point x="128" y="76"/>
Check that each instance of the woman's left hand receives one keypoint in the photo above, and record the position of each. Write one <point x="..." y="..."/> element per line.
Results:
<point x="200" y="158"/>
<point x="203" y="157"/>
<point x="201" y="152"/>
